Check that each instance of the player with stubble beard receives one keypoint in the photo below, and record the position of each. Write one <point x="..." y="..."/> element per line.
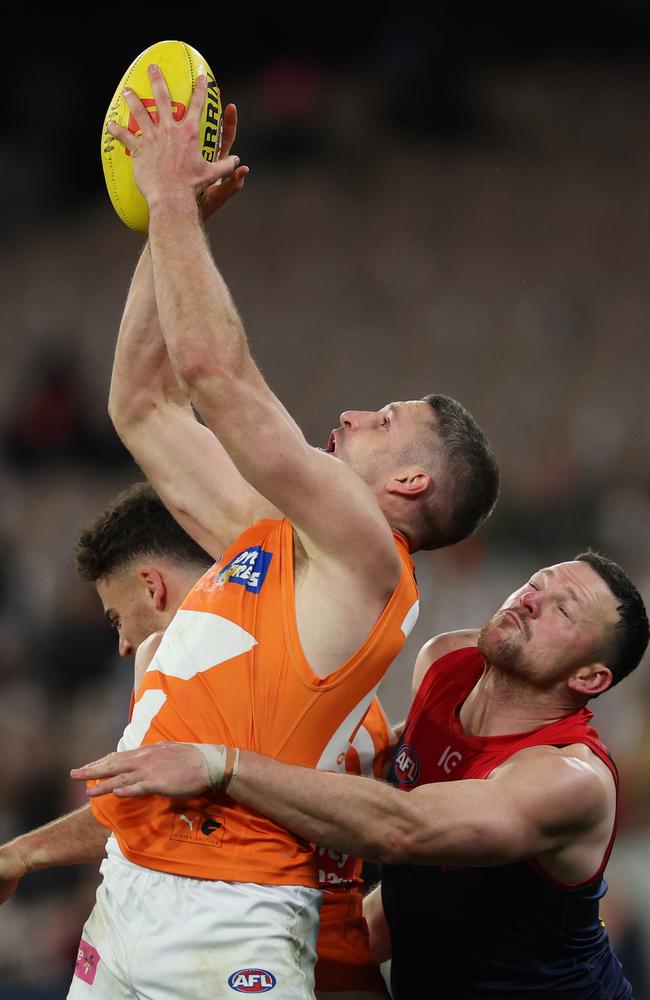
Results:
<point x="494" y="859"/>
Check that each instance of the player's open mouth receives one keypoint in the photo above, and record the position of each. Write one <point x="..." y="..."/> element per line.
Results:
<point x="331" y="444"/>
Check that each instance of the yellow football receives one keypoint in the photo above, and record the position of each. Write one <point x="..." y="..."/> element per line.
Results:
<point x="180" y="64"/>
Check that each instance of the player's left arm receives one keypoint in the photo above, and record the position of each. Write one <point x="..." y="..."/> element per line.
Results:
<point x="534" y="803"/>
<point x="69" y="840"/>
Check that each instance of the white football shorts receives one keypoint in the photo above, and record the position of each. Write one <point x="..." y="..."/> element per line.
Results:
<point x="154" y="936"/>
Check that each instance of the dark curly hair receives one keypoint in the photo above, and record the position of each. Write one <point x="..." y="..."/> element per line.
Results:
<point x="136" y="523"/>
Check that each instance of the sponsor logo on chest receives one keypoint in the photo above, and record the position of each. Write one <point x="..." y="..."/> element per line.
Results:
<point x="248" y="569"/>
<point x="449" y="759"/>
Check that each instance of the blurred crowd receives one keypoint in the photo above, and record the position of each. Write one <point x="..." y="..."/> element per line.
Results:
<point x="497" y="252"/>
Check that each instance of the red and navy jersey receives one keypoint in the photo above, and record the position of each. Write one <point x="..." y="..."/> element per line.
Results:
<point x="502" y="932"/>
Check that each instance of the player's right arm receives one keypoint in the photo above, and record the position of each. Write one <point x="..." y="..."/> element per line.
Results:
<point x="70" y="840"/>
<point x="182" y="459"/>
<point x="335" y="513"/>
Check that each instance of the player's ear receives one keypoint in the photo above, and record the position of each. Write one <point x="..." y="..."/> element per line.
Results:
<point x="156" y="586"/>
<point x="411" y="481"/>
<point x="591" y="680"/>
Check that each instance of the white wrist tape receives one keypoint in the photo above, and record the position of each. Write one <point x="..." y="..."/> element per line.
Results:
<point x="234" y="771"/>
<point x="223" y="765"/>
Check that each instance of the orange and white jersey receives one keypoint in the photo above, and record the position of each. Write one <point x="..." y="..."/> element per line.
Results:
<point x="345" y="961"/>
<point x="230" y="669"/>
<point x="368" y="753"/>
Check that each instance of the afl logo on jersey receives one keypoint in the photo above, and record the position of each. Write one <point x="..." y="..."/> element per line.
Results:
<point x="251" y="981"/>
<point x="407" y="765"/>
<point x="249" y="569"/>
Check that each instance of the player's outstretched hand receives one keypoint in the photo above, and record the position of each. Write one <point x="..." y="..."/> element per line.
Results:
<point x="222" y="190"/>
<point x="167" y="160"/>
<point x="172" y="769"/>
<point x="12" y="869"/>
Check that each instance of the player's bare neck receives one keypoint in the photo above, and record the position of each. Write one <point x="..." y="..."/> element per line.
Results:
<point x="500" y="705"/>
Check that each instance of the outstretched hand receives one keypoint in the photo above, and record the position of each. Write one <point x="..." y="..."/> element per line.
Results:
<point x="12" y="869"/>
<point x="177" y="770"/>
<point x="167" y="160"/>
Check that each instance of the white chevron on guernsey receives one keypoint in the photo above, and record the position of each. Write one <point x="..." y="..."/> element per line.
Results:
<point x="145" y="710"/>
<point x="340" y="740"/>
<point x="411" y="618"/>
<point x="196" y="641"/>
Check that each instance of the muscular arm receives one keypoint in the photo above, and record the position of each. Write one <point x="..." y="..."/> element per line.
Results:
<point x="70" y="840"/>
<point x="334" y="511"/>
<point x="182" y="459"/>
<point x="542" y="801"/>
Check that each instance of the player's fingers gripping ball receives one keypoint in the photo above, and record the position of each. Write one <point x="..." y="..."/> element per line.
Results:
<point x="180" y="65"/>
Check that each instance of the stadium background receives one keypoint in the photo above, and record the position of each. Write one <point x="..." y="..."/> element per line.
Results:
<point x="458" y="203"/>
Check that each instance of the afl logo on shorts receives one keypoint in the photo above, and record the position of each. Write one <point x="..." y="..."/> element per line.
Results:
<point x="251" y="981"/>
<point x="407" y="765"/>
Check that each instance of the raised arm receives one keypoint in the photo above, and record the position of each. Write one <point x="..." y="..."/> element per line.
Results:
<point x="70" y="840"/>
<point x="182" y="459"/>
<point x="334" y="511"/>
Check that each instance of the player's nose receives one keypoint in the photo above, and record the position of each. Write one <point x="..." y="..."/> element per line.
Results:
<point x="125" y="648"/>
<point x="354" y="419"/>
<point x="531" y="602"/>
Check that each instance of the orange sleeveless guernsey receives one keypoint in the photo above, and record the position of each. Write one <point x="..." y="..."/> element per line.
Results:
<point x="230" y="669"/>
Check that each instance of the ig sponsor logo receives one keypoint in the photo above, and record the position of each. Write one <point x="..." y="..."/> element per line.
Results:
<point x="251" y="981"/>
<point x="407" y="765"/>
<point x="449" y="759"/>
